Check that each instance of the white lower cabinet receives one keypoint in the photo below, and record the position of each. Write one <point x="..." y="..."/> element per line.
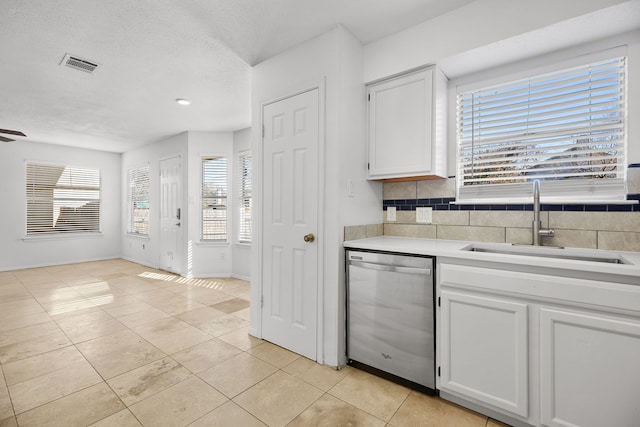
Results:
<point x="483" y="348"/>
<point x="539" y="349"/>
<point x="589" y="369"/>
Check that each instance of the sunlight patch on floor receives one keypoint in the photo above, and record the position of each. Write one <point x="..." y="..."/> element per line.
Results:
<point x="200" y="283"/>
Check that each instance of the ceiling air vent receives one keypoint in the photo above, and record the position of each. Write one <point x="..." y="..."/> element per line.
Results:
<point x="79" y="63"/>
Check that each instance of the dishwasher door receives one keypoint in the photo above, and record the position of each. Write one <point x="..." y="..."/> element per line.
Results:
<point x="390" y="315"/>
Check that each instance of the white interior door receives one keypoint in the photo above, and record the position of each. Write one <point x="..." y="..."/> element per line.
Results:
<point x="170" y="215"/>
<point x="290" y="222"/>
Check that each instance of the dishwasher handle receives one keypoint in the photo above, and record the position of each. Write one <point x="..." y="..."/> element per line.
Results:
<point x="391" y="268"/>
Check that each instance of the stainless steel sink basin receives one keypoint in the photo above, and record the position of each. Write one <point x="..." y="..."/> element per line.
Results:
<point x="547" y="252"/>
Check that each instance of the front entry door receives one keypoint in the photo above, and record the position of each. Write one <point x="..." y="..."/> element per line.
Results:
<point x="290" y="222"/>
<point x="171" y="215"/>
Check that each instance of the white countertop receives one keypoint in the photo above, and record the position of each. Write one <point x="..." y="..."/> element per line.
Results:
<point x="630" y="272"/>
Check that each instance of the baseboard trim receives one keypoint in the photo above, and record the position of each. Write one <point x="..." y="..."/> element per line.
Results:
<point x="137" y="261"/>
<point x="54" y="264"/>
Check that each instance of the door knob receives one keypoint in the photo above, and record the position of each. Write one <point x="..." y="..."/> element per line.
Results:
<point x="309" y="238"/>
<point x="178" y="224"/>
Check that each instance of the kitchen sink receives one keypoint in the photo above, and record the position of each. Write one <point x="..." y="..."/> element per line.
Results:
<point x="555" y="252"/>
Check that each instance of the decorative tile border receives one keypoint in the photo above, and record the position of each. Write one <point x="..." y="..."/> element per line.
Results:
<point x="445" y="204"/>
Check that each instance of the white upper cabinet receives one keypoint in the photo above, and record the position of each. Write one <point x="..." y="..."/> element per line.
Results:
<point x="407" y="126"/>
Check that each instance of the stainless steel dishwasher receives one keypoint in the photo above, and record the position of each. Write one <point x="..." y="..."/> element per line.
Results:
<point x="390" y="317"/>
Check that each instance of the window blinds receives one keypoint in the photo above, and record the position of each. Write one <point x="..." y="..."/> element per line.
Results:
<point x="62" y="199"/>
<point x="244" y="197"/>
<point x="566" y="129"/>
<point x="138" y="201"/>
<point x="214" y="198"/>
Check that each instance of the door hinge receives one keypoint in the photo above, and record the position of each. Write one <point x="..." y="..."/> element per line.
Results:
<point x="262" y="301"/>
<point x="438" y="301"/>
<point x="438" y="370"/>
<point x="368" y="166"/>
<point x="263" y="131"/>
<point x="369" y="97"/>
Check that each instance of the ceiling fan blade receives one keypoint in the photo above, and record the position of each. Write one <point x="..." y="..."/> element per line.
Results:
<point x="12" y="132"/>
<point x="4" y="139"/>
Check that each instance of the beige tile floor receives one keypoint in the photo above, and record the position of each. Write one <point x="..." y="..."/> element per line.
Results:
<point x="114" y="343"/>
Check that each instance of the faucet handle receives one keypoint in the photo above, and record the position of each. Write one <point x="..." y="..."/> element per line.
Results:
<point x="546" y="232"/>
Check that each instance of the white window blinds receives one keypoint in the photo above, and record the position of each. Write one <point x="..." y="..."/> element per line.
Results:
<point x="138" y="201"/>
<point x="214" y="198"/>
<point x="62" y="199"/>
<point x="244" y="197"/>
<point x="564" y="128"/>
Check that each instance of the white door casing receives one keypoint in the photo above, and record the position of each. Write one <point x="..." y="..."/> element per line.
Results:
<point x="171" y="214"/>
<point x="290" y="213"/>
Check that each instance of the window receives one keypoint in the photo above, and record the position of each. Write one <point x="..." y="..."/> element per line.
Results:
<point x="244" y="197"/>
<point x="62" y="199"/>
<point x="138" y="201"/>
<point x="214" y="199"/>
<point x="564" y="128"/>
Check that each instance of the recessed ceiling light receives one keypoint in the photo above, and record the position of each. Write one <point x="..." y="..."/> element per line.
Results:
<point x="182" y="101"/>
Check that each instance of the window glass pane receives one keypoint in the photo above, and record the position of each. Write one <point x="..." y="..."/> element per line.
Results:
<point x="62" y="199"/>
<point x="244" y="196"/>
<point x="138" y="201"/>
<point x="214" y="198"/>
<point x="564" y="128"/>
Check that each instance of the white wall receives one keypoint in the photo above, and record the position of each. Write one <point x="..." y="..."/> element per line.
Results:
<point x="146" y="251"/>
<point x="240" y="252"/>
<point x="362" y="204"/>
<point x="311" y="64"/>
<point x="200" y="259"/>
<point x="351" y="149"/>
<point x="17" y="252"/>
<point x="492" y="38"/>
<point x="208" y="259"/>
<point x="333" y="61"/>
<point x="479" y="24"/>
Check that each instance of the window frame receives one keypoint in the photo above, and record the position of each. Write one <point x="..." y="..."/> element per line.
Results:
<point x="131" y="202"/>
<point x="244" y="195"/>
<point x="209" y="157"/>
<point x="552" y="191"/>
<point x="87" y="178"/>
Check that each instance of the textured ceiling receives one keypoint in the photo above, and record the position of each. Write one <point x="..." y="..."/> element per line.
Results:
<point x="154" y="51"/>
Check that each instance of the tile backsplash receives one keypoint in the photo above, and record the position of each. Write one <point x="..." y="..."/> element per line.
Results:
<point x="609" y="226"/>
<point x="355" y="232"/>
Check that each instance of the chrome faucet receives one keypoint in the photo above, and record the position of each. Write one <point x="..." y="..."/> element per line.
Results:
<point x="537" y="229"/>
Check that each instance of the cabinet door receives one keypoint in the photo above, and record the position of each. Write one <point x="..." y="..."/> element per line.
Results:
<point x="483" y="348"/>
<point x="590" y="370"/>
<point x="400" y="112"/>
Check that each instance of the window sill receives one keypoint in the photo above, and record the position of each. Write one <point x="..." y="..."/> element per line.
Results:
<point x="243" y="244"/>
<point x="65" y="236"/>
<point x="138" y="236"/>
<point x="212" y="244"/>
